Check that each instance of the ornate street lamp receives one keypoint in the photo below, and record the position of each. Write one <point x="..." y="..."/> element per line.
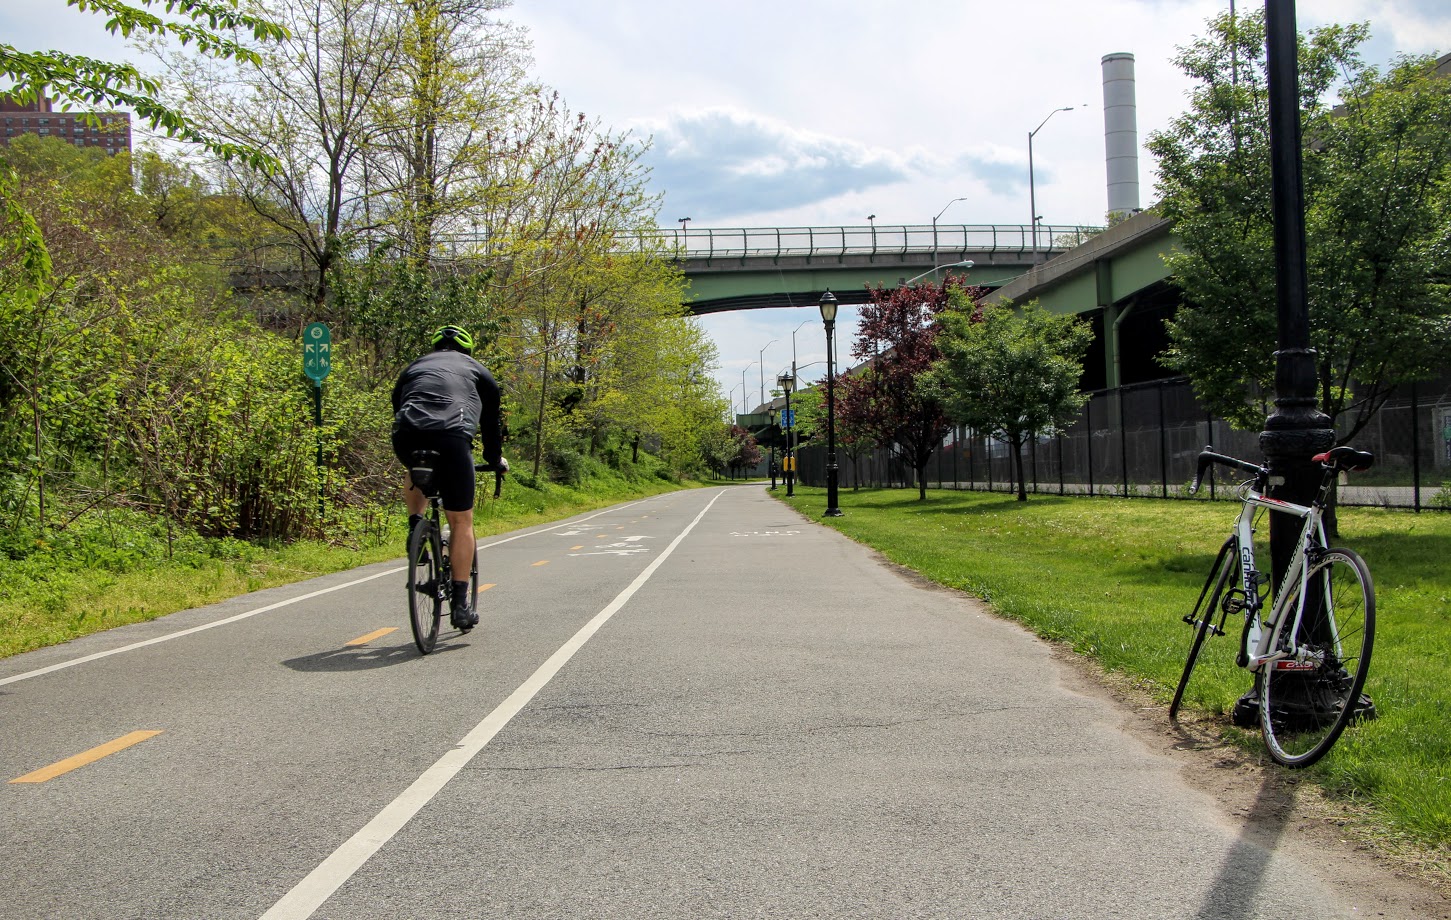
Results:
<point x="772" y="413"/>
<point x="828" y="318"/>
<point x="788" y="466"/>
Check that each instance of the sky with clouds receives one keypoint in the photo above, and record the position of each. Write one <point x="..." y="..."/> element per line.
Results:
<point x="774" y="113"/>
<point x="765" y="113"/>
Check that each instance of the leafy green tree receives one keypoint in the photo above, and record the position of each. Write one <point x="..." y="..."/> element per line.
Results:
<point x="207" y="26"/>
<point x="1010" y="374"/>
<point x="309" y="102"/>
<point x="1377" y="177"/>
<point x="450" y="103"/>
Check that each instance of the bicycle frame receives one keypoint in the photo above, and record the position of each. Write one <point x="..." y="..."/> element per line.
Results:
<point x="1260" y="643"/>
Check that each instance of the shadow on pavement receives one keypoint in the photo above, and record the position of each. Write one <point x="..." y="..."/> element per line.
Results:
<point x="1235" y="893"/>
<point x="363" y="658"/>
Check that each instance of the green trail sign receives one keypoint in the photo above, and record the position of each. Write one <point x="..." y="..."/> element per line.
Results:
<point x="317" y="352"/>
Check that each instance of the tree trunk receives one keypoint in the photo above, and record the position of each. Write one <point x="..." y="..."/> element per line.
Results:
<point x="922" y="482"/>
<point x="1018" y="467"/>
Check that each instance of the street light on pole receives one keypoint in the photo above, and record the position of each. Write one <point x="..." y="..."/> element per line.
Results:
<point x="1032" y="197"/>
<point x="964" y="264"/>
<point x="828" y="319"/>
<point x="787" y="383"/>
<point x="745" y="393"/>
<point x="934" y="226"/>
<point x="761" y="360"/>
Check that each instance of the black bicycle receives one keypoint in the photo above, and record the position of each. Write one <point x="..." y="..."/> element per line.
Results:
<point x="430" y="574"/>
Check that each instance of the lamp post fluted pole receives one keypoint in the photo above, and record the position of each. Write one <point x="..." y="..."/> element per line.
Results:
<point x="1032" y="194"/>
<point x="788" y="472"/>
<point x="828" y="319"/>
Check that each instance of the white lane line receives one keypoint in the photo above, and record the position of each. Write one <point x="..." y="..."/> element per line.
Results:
<point x="195" y="629"/>
<point x="251" y="613"/>
<point x="310" y="893"/>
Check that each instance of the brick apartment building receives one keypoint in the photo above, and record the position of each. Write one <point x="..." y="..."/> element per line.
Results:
<point x="112" y="135"/>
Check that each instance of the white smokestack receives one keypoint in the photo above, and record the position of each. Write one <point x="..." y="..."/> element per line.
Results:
<point x="1120" y="134"/>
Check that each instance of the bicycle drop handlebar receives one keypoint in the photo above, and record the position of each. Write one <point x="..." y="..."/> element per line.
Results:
<point x="1208" y="458"/>
<point x="1341" y="458"/>
<point x="498" y="472"/>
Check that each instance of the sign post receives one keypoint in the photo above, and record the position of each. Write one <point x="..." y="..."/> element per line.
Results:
<point x="317" y="363"/>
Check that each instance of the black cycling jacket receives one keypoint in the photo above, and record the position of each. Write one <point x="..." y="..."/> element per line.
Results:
<point x="448" y="392"/>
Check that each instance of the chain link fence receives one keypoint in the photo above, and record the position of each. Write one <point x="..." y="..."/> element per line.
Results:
<point x="1142" y="440"/>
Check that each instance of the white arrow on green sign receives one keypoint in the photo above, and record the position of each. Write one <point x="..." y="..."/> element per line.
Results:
<point x="317" y="351"/>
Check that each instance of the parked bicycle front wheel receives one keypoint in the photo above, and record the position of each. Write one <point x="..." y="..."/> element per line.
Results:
<point x="1208" y="609"/>
<point x="425" y="598"/>
<point x="1307" y="699"/>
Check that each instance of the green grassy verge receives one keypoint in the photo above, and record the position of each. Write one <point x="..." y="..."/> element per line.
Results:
<point x="111" y="568"/>
<point x="1112" y="578"/>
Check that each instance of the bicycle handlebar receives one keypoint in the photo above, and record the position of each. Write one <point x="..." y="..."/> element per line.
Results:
<point x="1208" y="458"/>
<point x="1343" y="458"/>
<point x="498" y="472"/>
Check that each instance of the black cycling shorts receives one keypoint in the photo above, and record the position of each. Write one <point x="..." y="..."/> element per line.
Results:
<point x="453" y="471"/>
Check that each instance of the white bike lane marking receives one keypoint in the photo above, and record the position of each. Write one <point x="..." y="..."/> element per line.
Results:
<point x="310" y="893"/>
<point x="60" y="666"/>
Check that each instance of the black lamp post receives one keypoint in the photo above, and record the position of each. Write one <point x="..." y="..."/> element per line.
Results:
<point x="788" y="466"/>
<point x="828" y="318"/>
<point x="772" y="412"/>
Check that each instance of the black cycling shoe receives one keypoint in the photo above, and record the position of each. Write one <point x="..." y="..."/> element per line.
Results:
<point x="463" y="619"/>
<point x="462" y="616"/>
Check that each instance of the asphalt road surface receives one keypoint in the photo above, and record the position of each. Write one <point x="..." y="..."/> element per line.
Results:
<point x="698" y="705"/>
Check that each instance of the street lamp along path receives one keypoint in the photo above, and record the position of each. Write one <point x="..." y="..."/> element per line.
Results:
<point x="828" y="319"/>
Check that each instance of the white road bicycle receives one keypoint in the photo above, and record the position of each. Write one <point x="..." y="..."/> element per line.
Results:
<point x="1310" y="648"/>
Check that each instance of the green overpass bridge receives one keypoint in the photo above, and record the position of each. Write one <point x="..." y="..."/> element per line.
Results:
<point x="1115" y="278"/>
<point x="748" y="268"/>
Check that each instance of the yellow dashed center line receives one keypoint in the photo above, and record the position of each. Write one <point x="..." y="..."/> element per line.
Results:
<point x="572" y="548"/>
<point x="375" y="634"/>
<point x="88" y="757"/>
<point x="487" y="587"/>
<point x="542" y="562"/>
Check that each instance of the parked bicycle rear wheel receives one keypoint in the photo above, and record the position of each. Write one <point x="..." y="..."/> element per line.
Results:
<point x="1207" y="610"/>
<point x="1307" y="700"/>
<point x="425" y="598"/>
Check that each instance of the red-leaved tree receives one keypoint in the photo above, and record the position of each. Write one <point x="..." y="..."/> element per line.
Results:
<point x="881" y="401"/>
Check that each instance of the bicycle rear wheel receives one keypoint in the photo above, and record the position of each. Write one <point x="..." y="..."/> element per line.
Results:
<point x="425" y="598"/>
<point x="1209" y="607"/>
<point x="1307" y="699"/>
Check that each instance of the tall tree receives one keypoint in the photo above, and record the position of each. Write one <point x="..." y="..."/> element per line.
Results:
<point x="308" y="102"/>
<point x="450" y="106"/>
<point x="886" y="401"/>
<point x="1377" y="176"/>
<point x="1012" y="375"/>
<point x="205" y="26"/>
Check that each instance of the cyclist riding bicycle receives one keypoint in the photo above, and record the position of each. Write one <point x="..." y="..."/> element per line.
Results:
<point x="441" y="402"/>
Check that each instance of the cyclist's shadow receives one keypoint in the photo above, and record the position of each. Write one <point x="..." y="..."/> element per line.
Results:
<point x="362" y="658"/>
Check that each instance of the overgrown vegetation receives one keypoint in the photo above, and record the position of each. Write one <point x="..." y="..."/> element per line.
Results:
<point x="117" y="566"/>
<point x="151" y="387"/>
<point x="1112" y="579"/>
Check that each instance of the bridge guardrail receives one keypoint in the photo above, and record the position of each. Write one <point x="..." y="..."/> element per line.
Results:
<point x="722" y="242"/>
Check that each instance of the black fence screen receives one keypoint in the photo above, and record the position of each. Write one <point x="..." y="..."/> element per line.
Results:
<point x="1142" y="441"/>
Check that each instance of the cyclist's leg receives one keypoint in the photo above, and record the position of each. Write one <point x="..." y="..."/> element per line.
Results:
<point x="457" y="493"/>
<point x="405" y="442"/>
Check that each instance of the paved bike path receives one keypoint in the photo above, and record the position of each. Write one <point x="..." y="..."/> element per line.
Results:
<point x="772" y="723"/>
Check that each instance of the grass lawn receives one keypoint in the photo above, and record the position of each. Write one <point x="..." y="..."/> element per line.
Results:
<point x="1112" y="578"/>
<point x="113" y="568"/>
